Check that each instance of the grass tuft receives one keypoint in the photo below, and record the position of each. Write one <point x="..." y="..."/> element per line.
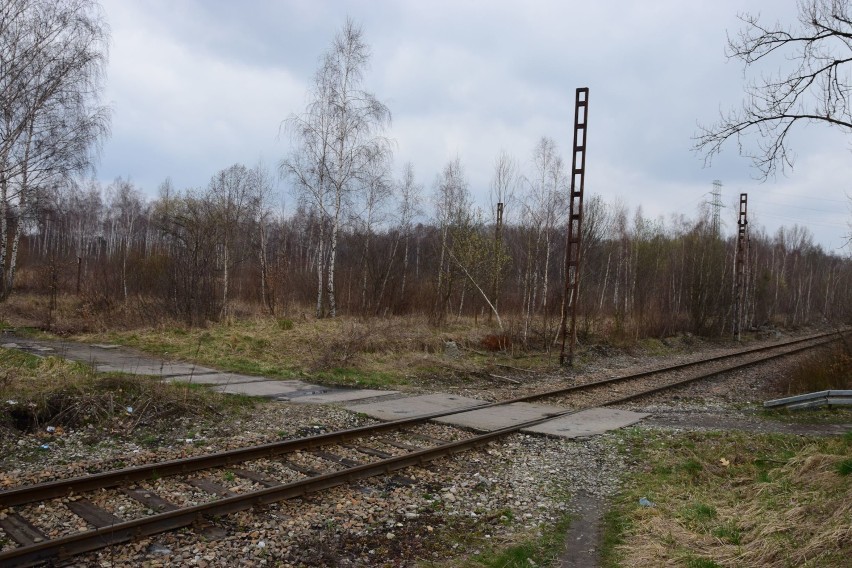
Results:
<point x="701" y="563"/>
<point x="824" y="370"/>
<point x="383" y="353"/>
<point x="775" y="501"/>
<point x="539" y="551"/>
<point x="38" y="392"/>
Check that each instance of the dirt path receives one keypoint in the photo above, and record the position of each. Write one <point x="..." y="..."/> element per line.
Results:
<point x="582" y="542"/>
<point x="712" y="421"/>
<point x="583" y="539"/>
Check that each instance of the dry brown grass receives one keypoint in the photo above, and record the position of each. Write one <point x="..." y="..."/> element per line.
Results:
<point x="389" y="351"/>
<point x="822" y="370"/>
<point x="779" y="502"/>
<point x="36" y="392"/>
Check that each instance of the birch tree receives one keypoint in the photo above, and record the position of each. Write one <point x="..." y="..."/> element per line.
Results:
<point x="410" y="198"/>
<point x="503" y="186"/>
<point x="52" y="57"/>
<point x="337" y="138"/>
<point x="233" y="193"/>
<point x="453" y="205"/>
<point x="262" y="194"/>
<point x="125" y="210"/>
<point x="377" y="190"/>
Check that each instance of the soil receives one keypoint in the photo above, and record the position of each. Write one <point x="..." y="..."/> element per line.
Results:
<point x="711" y="421"/>
<point x="727" y="403"/>
<point x="583" y="538"/>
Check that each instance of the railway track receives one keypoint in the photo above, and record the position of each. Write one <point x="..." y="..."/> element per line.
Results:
<point x="97" y="506"/>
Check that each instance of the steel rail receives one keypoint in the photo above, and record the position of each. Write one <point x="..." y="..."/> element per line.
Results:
<point x="676" y="367"/>
<point x="87" y="541"/>
<point x="81" y="484"/>
<point x="181" y="466"/>
<point x="735" y="367"/>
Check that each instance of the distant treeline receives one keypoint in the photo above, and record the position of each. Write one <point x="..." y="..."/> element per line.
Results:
<point x="201" y="255"/>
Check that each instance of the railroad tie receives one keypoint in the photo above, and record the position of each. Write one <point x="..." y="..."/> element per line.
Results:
<point x="20" y="530"/>
<point x="301" y="469"/>
<point x="257" y="477"/>
<point x="209" y="486"/>
<point x="369" y="451"/>
<point x="93" y="514"/>
<point x="336" y="459"/>
<point x="402" y="446"/>
<point x="150" y="500"/>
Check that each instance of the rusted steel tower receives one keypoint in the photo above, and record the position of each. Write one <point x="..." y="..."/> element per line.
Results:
<point x="740" y="276"/>
<point x="498" y="241"/>
<point x="575" y="219"/>
<point x="716" y="212"/>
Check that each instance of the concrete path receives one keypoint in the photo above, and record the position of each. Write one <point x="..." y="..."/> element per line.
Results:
<point x="589" y="422"/>
<point x="115" y="358"/>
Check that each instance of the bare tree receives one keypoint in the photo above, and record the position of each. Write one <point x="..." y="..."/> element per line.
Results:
<point x="191" y="226"/>
<point x="453" y="205"/>
<point x="503" y="186"/>
<point x="815" y="91"/>
<point x="410" y="198"/>
<point x="264" y="188"/>
<point x="377" y="190"/>
<point x="52" y="55"/>
<point x="544" y="209"/>
<point x="338" y="137"/>
<point x="504" y="182"/>
<point x="125" y="210"/>
<point x="549" y="188"/>
<point x="233" y="194"/>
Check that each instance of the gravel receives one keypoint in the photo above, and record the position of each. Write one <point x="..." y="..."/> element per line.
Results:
<point x="506" y="492"/>
<point x="492" y="497"/>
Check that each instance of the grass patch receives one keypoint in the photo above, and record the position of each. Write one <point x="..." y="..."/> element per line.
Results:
<point x="728" y="532"/>
<point x="823" y="370"/>
<point x="379" y="353"/>
<point x="694" y="562"/>
<point x="358" y="378"/>
<point x="537" y="551"/>
<point x="734" y="499"/>
<point x="393" y="351"/>
<point x="839" y="415"/>
<point x="699" y="514"/>
<point x="39" y="392"/>
<point x="616" y="526"/>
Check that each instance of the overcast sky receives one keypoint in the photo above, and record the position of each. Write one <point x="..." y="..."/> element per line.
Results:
<point x="198" y="85"/>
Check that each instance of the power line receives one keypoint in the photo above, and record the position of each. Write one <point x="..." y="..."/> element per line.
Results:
<point x="807" y="197"/>
<point x="770" y="204"/>
<point x="800" y="220"/>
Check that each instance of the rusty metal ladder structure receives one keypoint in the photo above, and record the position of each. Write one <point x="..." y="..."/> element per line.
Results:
<point x="575" y="219"/>
<point x="740" y="276"/>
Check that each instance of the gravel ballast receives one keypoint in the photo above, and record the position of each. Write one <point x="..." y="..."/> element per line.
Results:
<point x="500" y="495"/>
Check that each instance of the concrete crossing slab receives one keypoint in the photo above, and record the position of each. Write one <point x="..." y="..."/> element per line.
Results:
<point x="412" y="406"/>
<point x="270" y="388"/>
<point x="488" y="419"/>
<point x="155" y="369"/>
<point x="104" y="357"/>
<point x="330" y="396"/>
<point x="591" y="422"/>
<point x="214" y="378"/>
